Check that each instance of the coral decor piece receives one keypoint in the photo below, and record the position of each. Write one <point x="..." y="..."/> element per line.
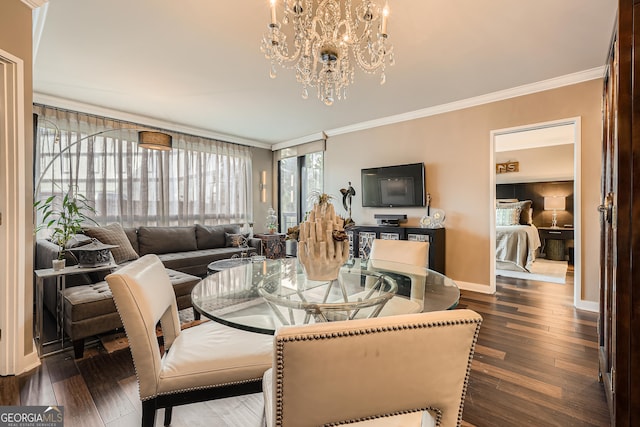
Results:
<point x="323" y="247"/>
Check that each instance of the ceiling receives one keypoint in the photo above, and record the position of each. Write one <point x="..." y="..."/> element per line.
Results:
<point x="196" y="64"/>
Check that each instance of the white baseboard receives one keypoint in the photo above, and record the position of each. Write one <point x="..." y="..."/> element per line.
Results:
<point x="588" y="305"/>
<point x="475" y="287"/>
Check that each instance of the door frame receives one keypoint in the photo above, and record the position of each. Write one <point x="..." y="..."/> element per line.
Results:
<point x="17" y="354"/>
<point x="577" y="191"/>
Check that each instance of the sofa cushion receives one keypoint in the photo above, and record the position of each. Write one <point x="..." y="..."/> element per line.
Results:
<point x="162" y="240"/>
<point x="195" y="262"/>
<point x="213" y="236"/>
<point x="113" y="234"/>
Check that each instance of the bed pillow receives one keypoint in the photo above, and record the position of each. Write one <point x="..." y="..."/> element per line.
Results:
<point x="526" y="213"/>
<point x="507" y="216"/>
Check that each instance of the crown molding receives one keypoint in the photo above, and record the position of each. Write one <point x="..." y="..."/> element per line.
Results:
<point x="68" y="104"/>
<point x="34" y="4"/>
<point x="554" y="83"/>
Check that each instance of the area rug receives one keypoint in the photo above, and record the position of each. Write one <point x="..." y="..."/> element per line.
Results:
<point x="117" y="341"/>
<point x="542" y="270"/>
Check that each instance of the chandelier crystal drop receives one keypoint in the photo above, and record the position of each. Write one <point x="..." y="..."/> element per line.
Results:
<point x="321" y="40"/>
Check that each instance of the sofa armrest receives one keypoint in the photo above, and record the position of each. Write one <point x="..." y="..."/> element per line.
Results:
<point x="45" y="253"/>
<point x="255" y="243"/>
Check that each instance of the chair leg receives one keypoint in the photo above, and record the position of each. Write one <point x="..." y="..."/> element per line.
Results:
<point x="78" y="348"/>
<point x="167" y="415"/>
<point x="148" y="413"/>
<point x="196" y="314"/>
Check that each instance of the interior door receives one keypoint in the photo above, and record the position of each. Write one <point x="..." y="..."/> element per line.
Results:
<point x="608" y="228"/>
<point x="619" y="325"/>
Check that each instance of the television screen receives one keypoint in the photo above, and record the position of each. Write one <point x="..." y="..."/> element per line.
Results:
<point x="394" y="186"/>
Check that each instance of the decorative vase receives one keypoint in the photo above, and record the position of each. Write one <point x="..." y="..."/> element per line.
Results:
<point x="272" y="221"/>
<point x="323" y="246"/>
<point x="58" y="264"/>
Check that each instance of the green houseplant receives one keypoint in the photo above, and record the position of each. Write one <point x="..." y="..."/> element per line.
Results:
<point x="64" y="216"/>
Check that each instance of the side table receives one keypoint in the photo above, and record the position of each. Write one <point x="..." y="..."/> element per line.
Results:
<point x="554" y="241"/>
<point x="60" y="276"/>
<point x="273" y="245"/>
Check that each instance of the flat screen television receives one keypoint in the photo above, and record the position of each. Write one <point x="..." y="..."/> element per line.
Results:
<point x="393" y="186"/>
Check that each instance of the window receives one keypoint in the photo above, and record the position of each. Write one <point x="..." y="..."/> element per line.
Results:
<point x="199" y="180"/>
<point x="300" y="179"/>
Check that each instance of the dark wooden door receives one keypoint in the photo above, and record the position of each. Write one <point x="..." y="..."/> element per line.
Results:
<point x="619" y="323"/>
<point x="607" y="327"/>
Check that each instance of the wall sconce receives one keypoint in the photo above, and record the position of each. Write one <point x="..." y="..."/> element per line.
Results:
<point x="554" y="203"/>
<point x="263" y="186"/>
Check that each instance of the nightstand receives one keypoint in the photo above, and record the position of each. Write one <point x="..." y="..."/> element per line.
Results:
<point x="554" y="241"/>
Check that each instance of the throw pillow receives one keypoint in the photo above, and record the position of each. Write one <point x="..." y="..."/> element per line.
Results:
<point x="113" y="234"/>
<point x="526" y="213"/>
<point x="236" y="240"/>
<point x="509" y="216"/>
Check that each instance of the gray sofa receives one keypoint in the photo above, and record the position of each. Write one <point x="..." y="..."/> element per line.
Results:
<point x="185" y="252"/>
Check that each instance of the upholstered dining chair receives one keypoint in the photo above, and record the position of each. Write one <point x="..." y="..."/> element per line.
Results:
<point x="410" y="259"/>
<point x="406" y="370"/>
<point x="401" y="251"/>
<point x="204" y="362"/>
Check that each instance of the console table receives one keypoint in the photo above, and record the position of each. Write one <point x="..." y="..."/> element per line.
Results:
<point x="361" y="237"/>
<point x="60" y="276"/>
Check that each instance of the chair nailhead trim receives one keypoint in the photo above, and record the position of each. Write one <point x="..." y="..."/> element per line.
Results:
<point x="280" y="341"/>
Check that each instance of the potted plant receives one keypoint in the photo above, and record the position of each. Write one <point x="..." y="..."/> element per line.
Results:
<point x="64" y="216"/>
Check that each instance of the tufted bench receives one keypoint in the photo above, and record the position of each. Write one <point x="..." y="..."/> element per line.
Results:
<point x="90" y="310"/>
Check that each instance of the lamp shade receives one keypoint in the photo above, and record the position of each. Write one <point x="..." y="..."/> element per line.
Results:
<point x="155" y="140"/>
<point x="555" y="203"/>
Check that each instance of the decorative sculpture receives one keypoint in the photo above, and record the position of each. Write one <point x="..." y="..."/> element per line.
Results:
<point x="323" y="246"/>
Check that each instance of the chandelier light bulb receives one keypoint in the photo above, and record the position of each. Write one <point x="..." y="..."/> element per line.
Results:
<point x="322" y="40"/>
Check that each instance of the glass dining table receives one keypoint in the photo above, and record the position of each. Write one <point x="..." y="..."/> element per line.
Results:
<point x="264" y="295"/>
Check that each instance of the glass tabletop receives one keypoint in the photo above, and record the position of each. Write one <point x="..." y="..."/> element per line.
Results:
<point x="262" y="296"/>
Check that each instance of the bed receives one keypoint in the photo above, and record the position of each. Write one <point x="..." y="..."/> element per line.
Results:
<point x="516" y="247"/>
<point x="517" y="239"/>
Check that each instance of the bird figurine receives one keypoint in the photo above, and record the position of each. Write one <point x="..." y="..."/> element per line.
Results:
<point x="347" y="195"/>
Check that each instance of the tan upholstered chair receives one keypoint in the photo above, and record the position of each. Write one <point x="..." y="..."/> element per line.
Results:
<point x="409" y="258"/>
<point x="208" y="361"/>
<point x="402" y="251"/>
<point x="409" y="370"/>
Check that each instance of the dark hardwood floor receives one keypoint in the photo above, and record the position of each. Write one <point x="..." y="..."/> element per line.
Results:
<point x="535" y="364"/>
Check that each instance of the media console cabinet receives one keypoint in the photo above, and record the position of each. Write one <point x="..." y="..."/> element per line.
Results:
<point x="361" y="237"/>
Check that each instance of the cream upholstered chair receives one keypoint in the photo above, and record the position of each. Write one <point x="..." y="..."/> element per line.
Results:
<point x="401" y="251"/>
<point x="406" y="370"/>
<point x="408" y="258"/>
<point x="207" y="361"/>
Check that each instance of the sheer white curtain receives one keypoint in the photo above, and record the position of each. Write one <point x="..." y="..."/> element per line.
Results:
<point x="200" y="180"/>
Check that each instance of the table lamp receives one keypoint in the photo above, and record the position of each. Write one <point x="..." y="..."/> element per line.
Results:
<point x="554" y="203"/>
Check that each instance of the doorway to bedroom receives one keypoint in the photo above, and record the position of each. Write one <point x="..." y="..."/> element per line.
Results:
<point x="534" y="189"/>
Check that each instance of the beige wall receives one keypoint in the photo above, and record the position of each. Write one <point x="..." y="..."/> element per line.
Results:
<point x="262" y="160"/>
<point x="15" y="38"/>
<point x="455" y="148"/>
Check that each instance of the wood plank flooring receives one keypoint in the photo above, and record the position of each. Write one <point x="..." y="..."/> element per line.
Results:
<point x="535" y="364"/>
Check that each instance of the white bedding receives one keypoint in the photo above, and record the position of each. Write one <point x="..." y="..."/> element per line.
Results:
<point x="516" y="246"/>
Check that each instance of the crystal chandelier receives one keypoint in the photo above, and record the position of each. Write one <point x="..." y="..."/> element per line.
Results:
<point x="328" y="37"/>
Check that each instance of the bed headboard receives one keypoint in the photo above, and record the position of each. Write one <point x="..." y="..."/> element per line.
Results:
<point x="536" y="191"/>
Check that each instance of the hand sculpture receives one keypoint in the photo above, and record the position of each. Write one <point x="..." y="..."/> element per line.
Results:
<point x="319" y="251"/>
